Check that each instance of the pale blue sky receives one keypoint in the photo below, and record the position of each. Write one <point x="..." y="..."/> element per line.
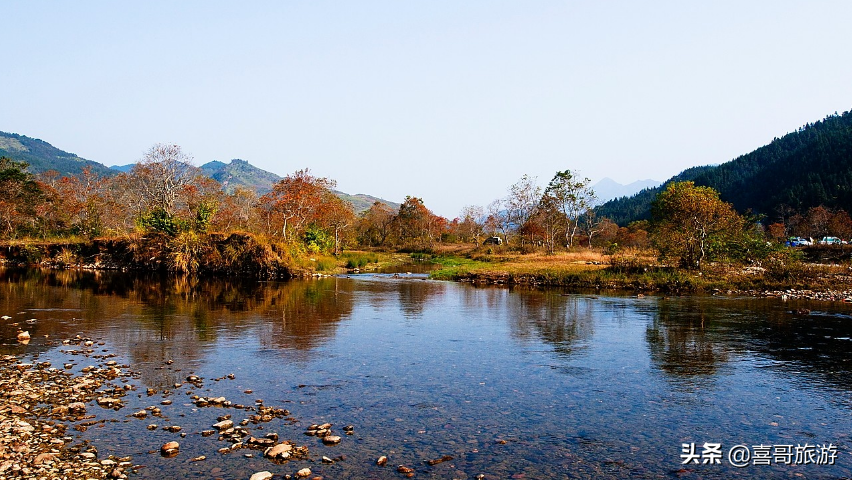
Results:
<point x="445" y="100"/>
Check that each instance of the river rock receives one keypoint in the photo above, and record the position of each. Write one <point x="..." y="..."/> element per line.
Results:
<point x="305" y="472"/>
<point x="24" y="336"/>
<point x="170" y="449"/>
<point x="262" y="476"/>
<point x="278" y="450"/>
<point x="223" y="425"/>
<point x="331" y="440"/>
<point x="382" y="461"/>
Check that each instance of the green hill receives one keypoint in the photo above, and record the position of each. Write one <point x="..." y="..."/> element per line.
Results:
<point x="43" y="156"/>
<point x="240" y="173"/>
<point x="806" y="168"/>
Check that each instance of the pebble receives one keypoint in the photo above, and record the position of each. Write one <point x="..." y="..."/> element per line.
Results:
<point x="382" y="461"/>
<point x="262" y="476"/>
<point x="305" y="472"/>
<point x="170" y="449"/>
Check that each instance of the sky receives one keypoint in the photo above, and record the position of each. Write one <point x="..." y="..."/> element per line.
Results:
<point x="449" y="101"/>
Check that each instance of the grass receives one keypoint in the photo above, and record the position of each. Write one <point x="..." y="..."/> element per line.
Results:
<point x="636" y="270"/>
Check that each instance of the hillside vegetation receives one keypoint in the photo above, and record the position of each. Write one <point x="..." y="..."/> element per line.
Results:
<point x="42" y="156"/>
<point x="804" y="169"/>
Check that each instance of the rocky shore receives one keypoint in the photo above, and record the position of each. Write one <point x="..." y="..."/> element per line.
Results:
<point x="39" y="404"/>
<point x="44" y="408"/>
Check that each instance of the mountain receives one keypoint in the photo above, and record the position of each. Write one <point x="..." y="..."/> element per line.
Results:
<point x="240" y="173"/>
<point x="806" y="168"/>
<point x="638" y="207"/>
<point x="361" y="202"/>
<point x="608" y="189"/>
<point x="43" y="156"/>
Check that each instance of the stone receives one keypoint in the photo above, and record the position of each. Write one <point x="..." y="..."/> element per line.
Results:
<point x="223" y="425"/>
<point x="305" y="472"/>
<point x="278" y="450"/>
<point x="170" y="449"/>
<point x="382" y="461"/>
<point x="24" y="336"/>
<point x="331" y="440"/>
<point x="262" y="476"/>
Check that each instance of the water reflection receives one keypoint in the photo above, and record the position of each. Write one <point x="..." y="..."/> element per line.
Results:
<point x="681" y="341"/>
<point x="563" y="321"/>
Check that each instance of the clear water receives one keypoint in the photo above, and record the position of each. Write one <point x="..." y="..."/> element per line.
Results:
<point x="510" y="383"/>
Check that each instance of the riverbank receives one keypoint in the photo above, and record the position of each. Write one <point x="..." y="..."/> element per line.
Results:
<point x="641" y="273"/>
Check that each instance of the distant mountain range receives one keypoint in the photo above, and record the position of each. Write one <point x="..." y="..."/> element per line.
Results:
<point x="608" y="189"/>
<point x="806" y="168"/>
<point x="42" y="156"/>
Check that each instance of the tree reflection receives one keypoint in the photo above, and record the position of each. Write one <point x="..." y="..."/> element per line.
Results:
<point x="566" y="322"/>
<point x="681" y="342"/>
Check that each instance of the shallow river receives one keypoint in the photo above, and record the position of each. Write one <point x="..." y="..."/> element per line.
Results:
<point x="509" y="383"/>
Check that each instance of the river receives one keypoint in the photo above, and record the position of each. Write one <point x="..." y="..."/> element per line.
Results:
<point x="510" y="383"/>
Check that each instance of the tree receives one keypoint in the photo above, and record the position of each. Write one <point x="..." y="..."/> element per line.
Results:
<point x="417" y="225"/>
<point x="521" y="202"/>
<point x="161" y="176"/>
<point x="294" y="202"/>
<point x="375" y="225"/>
<point x="470" y="225"/>
<point x="22" y="201"/>
<point x="572" y="197"/>
<point x="336" y="215"/>
<point x="692" y="224"/>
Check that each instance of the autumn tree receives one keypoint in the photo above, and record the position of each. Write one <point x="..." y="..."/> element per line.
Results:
<point x="470" y="225"/>
<point x="693" y="224"/>
<point x="375" y="225"/>
<point x="22" y="201"/>
<point x="572" y="197"/>
<point x="417" y="225"/>
<point x="521" y="202"/>
<point x="294" y="202"/>
<point x="336" y="215"/>
<point x="161" y="176"/>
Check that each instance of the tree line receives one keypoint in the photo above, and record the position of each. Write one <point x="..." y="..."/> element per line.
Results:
<point x="165" y="194"/>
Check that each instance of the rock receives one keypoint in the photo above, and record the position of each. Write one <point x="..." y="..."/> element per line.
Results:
<point x="305" y="472"/>
<point x="327" y="460"/>
<point x="140" y="414"/>
<point x="404" y="469"/>
<point x="382" y="461"/>
<point x="200" y="458"/>
<point x="223" y="425"/>
<point x="278" y="450"/>
<point x="108" y="401"/>
<point x="24" y="336"/>
<point x="331" y="440"/>
<point x="445" y="458"/>
<point x="43" y="457"/>
<point x="170" y="449"/>
<point x="263" y="476"/>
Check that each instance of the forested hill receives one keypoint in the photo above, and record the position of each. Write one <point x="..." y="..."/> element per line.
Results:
<point x="43" y="156"/>
<point x="240" y="173"/>
<point x="638" y="207"/>
<point x="806" y="168"/>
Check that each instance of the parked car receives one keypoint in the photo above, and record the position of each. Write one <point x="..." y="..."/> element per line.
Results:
<point x="798" y="242"/>
<point x="830" y="241"/>
<point x="493" y="241"/>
